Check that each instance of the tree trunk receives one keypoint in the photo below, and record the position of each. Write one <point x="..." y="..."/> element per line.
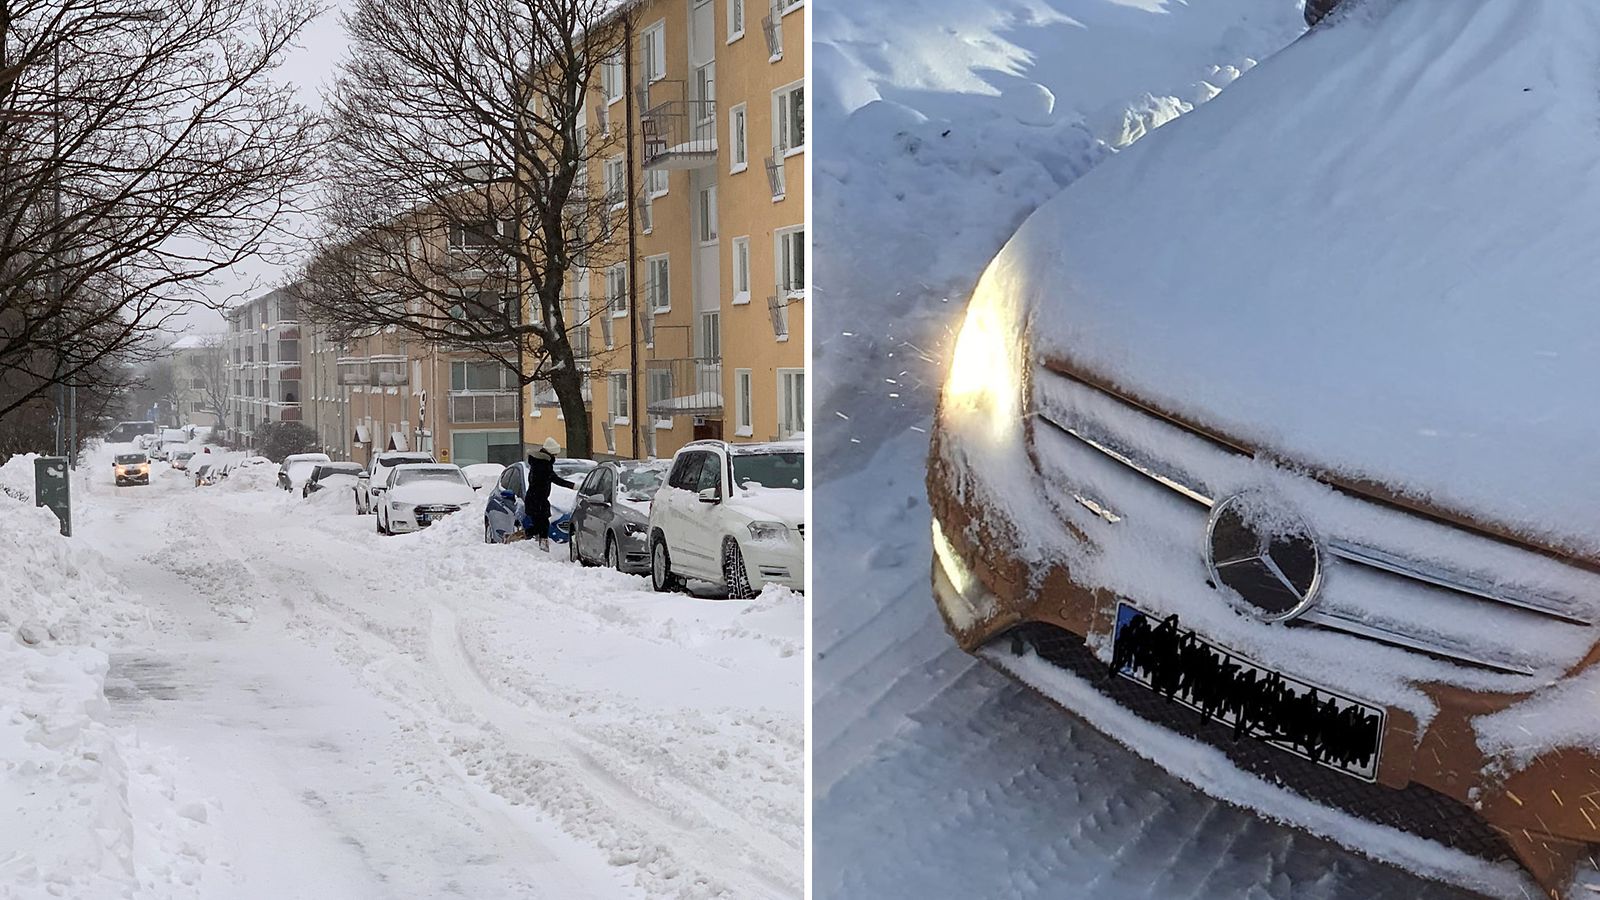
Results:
<point x="568" y="384"/>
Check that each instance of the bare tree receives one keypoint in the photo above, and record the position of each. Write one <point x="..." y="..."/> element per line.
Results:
<point x="459" y="206"/>
<point x="144" y="149"/>
<point x="207" y="369"/>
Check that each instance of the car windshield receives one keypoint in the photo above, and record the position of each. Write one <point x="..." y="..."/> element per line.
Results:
<point x="415" y="476"/>
<point x="337" y="469"/>
<point x="773" y="470"/>
<point x="641" y="481"/>
<point x="130" y="459"/>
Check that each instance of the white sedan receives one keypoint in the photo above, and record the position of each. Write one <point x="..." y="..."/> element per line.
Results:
<point x="419" y="494"/>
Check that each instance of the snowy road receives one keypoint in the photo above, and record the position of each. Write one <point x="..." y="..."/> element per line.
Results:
<point x="427" y="716"/>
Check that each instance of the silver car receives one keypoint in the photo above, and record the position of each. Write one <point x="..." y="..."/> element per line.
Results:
<point x="611" y="522"/>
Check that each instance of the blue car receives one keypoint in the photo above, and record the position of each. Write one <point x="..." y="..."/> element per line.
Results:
<point x="504" y="515"/>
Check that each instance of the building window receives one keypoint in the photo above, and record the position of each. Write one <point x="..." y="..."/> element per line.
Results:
<point x="653" y="51"/>
<point x="711" y="335"/>
<point x="481" y="375"/>
<point x="791" y="268"/>
<point x="617" y="289"/>
<point x="789" y="6"/>
<point x="578" y="327"/>
<point x="705" y="90"/>
<point x="741" y="270"/>
<point x="616" y="182"/>
<point x="611" y="78"/>
<point x="708" y="214"/>
<point x="619" y="400"/>
<point x="660" y="393"/>
<point x="658" y="283"/>
<point x="738" y="147"/>
<point x="743" y="424"/>
<point x="789" y="118"/>
<point x="656" y="182"/>
<point x="474" y="235"/>
<point x="735" y="20"/>
<point x="791" y="402"/>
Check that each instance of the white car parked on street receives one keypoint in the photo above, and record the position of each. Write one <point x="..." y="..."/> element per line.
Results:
<point x="368" y="488"/>
<point x="731" y="514"/>
<point x="419" y="494"/>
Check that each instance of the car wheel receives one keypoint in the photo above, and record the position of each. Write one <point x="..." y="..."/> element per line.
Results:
<point x="661" y="577"/>
<point x="378" y="521"/>
<point x="613" y="558"/>
<point x="488" y="532"/>
<point x="734" y="575"/>
<point x="573" y="553"/>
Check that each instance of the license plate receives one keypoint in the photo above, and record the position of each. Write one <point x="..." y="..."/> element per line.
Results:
<point x="1309" y="721"/>
<point x="424" y="519"/>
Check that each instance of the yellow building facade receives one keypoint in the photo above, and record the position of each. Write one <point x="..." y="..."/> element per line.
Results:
<point x="698" y="330"/>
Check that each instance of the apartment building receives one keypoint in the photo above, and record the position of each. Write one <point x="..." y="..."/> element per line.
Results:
<point x="263" y="347"/>
<point x="700" y="331"/>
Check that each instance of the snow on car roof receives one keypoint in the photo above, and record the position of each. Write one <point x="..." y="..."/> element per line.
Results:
<point x="1372" y="255"/>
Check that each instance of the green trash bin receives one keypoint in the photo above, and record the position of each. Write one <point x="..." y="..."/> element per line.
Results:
<point x="52" y="488"/>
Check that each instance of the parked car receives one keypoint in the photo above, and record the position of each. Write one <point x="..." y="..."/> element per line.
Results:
<point x="1291" y="495"/>
<point x="733" y="515"/>
<point x="505" y="516"/>
<point x="207" y="474"/>
<point x="482" y="475"/>
<point x="574" y="470"/>
<point x="181" y="458"/>
<point x="130" y="432"/>
<point x="378" y="475"/>
<point x="332" y="475"/>
<point x="254" y="461"/>
<point x="611" y="519"/>
<point x="131" y="468"/>
<point x="419" y="494"/>
<point x="297" y="467"/>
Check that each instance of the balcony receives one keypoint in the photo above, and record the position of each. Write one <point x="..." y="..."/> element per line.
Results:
<point x="286" y="412"/>
<point x="354" y="372"/>
<point x="480" y="408"/>
<point x="679" y="134"/>
<point x="684" y="387"/>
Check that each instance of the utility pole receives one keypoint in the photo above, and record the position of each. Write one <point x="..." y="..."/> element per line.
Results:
<point x="635" y="421"/>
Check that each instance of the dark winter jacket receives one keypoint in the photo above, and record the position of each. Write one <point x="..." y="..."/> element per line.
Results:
<point x="541" y="474"/>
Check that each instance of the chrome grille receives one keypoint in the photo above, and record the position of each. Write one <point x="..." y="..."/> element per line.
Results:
<point x="1123" y="434"/>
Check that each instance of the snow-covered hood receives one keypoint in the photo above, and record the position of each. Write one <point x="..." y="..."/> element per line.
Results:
<point x="433" y="492"/>
<point x="1373" y="255"/>
<point x="776" y="504"/>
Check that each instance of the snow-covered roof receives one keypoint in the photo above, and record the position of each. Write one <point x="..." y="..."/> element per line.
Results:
<point x="689" y="402"/>
<point x="1372" y="255"/>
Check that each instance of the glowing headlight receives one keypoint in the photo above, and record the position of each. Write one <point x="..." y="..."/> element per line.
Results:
<point x="986" y="368"/>
<point x="769" y="531"/>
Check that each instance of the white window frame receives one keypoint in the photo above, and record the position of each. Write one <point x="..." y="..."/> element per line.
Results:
<point x="658" y="287"/>
<point x="735" y="33"/>
<point x="740" y="259"/>
<point x="743" y="403"/>
<point x="583" y="312"/>
<point x="782" y="282"/>
<point x="786" y="378"/>
<point x="611" y="85"/>
<point x="706" y="206"/>
<point x="666" y="423"/>
<point x="782" y="102"/>
<point x="709" y="338"/>
<point x="620" y="412"/>
<point x="654" y="176"/>
<point x="616" y="185"/>
<point x="653" y="51"/>
<point x="789" y="6"/>
<point x="738" y="139"/>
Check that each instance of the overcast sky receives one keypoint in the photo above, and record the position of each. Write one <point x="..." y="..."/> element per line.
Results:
<point x="309" y="69"/>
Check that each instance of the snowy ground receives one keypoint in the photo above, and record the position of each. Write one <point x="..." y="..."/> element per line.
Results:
<point x="939" y="129"/>
<point x="295" y="706"/>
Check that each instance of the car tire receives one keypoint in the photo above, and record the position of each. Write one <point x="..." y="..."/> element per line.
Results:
<point x="573" y="553"/>
<point x="661" y="577"/>
<point x="734" y="575"/>
<point x="378" y="521"/>
<point x="488" y="532"/>
<point x="613" y="555"/>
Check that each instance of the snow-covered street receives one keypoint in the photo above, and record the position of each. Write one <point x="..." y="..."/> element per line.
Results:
<point x="314" y="710"/>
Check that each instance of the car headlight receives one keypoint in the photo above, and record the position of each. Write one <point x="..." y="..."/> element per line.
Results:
<point x="985" y="380"/>
<point x="632" y="528"/>
<point x="769" y="531"/>
<point x="397" y="506"/>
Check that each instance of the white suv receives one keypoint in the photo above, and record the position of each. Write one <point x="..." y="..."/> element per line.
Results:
<point x="371" y="484"/>
<point x="731" y="514"/>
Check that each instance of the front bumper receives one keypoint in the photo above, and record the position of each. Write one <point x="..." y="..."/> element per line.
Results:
<point x="775" y="562"/>
<point x="415" y="520"/>
<point x="1432" y="782"/>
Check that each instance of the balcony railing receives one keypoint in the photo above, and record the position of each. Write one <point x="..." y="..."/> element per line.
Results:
<point x="680" y="134"/>
<point x="691" y="387"/>
<point x="775" y="179"/>
<point x="778" y="307"/>
<point x="477" y="408"/>
<point x="354" y="372"/>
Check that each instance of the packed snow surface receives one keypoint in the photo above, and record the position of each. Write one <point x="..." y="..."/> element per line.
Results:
<point x="1372" y="256"/>
<point x="945" y="125"/>
<point x="286" y="704"/>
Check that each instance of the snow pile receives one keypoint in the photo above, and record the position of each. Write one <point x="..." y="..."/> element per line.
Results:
<point x="89" y="814"/>
<point x="777" y="616"/>
<point x="54" y="589"/>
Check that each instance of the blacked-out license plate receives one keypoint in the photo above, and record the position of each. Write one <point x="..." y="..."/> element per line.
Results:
<point x="1309" y="721"/>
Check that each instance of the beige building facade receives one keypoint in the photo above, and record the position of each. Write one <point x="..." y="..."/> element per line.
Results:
<point x="699" y="330"/>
